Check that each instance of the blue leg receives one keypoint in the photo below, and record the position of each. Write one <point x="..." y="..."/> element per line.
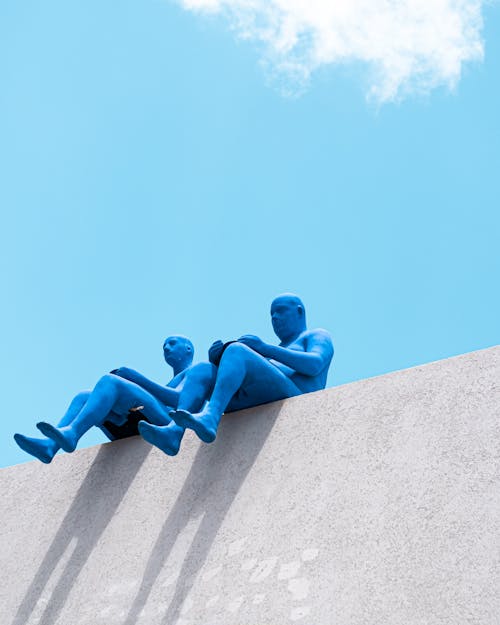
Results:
<point x="45" y="448"/>
<point x="166" y="437"/>
<point x="240" y="367"/>
<point x="111" y="394"/>
<point x="197" y="387"/>
<point x="42" y="448"/>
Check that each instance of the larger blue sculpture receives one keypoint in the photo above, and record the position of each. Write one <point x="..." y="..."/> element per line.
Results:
<point x="240" y="374"/>
<point x="249" y="372"/>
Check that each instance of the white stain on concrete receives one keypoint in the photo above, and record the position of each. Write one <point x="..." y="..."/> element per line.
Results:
<point x="263" y="570"/>
<point x="211" y="573"/>
<point x="235" y="605"/>
<point x="248" y="565"/>
<point x="299" y="588"/>
<point x="108" y="615"/>
<point x="171" y="579"/>
<point x="107" y="612"/>
<point x="297" y="613"/>
<point x="187" y="606"/>
<point x="310" y="554"/>
<point x="212" y="601"/>
<point x="258" y="599"/>
<point x="161" y="608"/>
<point x="236" y="546"/>
<point x="114" y="589"/>
<point x="289" y="570"/>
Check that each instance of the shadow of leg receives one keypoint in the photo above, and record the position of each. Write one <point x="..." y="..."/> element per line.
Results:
<point x="213" y="482"/>
<point x="93" y="507"/>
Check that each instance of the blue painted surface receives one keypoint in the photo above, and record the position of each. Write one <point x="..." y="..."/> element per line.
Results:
<point x="113" y="398"/>
<point x="249" y="372"/>
<point x="252" y="372"/>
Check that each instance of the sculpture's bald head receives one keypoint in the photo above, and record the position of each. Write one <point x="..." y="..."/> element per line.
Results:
<point x="288" y="316"/>
<point x="178" y="351"/>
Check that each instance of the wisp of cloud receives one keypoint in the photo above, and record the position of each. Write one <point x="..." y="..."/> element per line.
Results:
<point x="408" y="45"/>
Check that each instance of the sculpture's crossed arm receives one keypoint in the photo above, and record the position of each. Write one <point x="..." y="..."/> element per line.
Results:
<point x="166" y="394"/>
<point x="318" y="354"/>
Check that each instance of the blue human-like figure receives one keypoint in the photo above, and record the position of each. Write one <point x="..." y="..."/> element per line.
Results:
<point x="251" y="372"/>
<point x="117" y="396"/>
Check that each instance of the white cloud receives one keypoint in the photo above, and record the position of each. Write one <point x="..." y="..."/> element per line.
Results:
<point x="408" y="45"/>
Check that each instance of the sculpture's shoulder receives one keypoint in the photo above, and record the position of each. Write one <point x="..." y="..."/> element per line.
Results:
<point x="175" y="381"/>
<point x="319" y="335"/>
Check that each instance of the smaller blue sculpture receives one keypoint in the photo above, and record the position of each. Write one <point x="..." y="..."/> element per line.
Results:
<point x="118" y="401"/>
<point x="249" y="372"/>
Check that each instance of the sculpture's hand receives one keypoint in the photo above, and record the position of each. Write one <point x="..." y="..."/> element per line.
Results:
<point x="215" y="352"/>
<point x="254" y="342"/>
<point x="124" y="372"/>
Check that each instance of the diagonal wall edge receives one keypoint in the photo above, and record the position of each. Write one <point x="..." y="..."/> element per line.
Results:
<point x="373" y="503"/>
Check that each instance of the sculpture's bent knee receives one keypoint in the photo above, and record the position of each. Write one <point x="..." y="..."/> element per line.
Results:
<point x="108" y="378"/>
<point x="108" y="382"/>
<point x="237" y="350"/>
<point x="82" y="396"/>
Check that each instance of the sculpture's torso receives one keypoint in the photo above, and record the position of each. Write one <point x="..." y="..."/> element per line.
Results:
<point x="306" y="383"/>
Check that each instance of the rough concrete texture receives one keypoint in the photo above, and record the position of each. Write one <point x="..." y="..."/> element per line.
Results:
<point x="373" y="503"/>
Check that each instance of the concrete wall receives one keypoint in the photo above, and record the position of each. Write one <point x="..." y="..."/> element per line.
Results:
<point x="373" y="503"/>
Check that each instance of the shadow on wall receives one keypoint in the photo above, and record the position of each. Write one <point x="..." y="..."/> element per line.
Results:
<point x="111" y="475"/>
<point x="213" y="482"/>
<point x="217" y="473"/>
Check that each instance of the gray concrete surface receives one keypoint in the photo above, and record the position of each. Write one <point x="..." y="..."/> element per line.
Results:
<point x="373" y="503"/>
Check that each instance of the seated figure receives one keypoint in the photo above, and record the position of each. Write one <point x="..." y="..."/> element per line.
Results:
<point x="249" y="372"/>
<point x="119" y="398"/>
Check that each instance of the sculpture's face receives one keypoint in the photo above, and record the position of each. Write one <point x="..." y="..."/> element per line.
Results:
<point x="287" y="316"/>
<point x="177" y="349"/>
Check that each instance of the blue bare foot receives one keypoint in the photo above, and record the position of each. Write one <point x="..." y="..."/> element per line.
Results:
<point x="203" y="423"/>
<point x="165" y="437"/>
<point x="41" y="448"/>
<point x="64" y="437"/>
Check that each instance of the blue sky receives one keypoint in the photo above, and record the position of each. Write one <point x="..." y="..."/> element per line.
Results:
<point x="156" y="180"/>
